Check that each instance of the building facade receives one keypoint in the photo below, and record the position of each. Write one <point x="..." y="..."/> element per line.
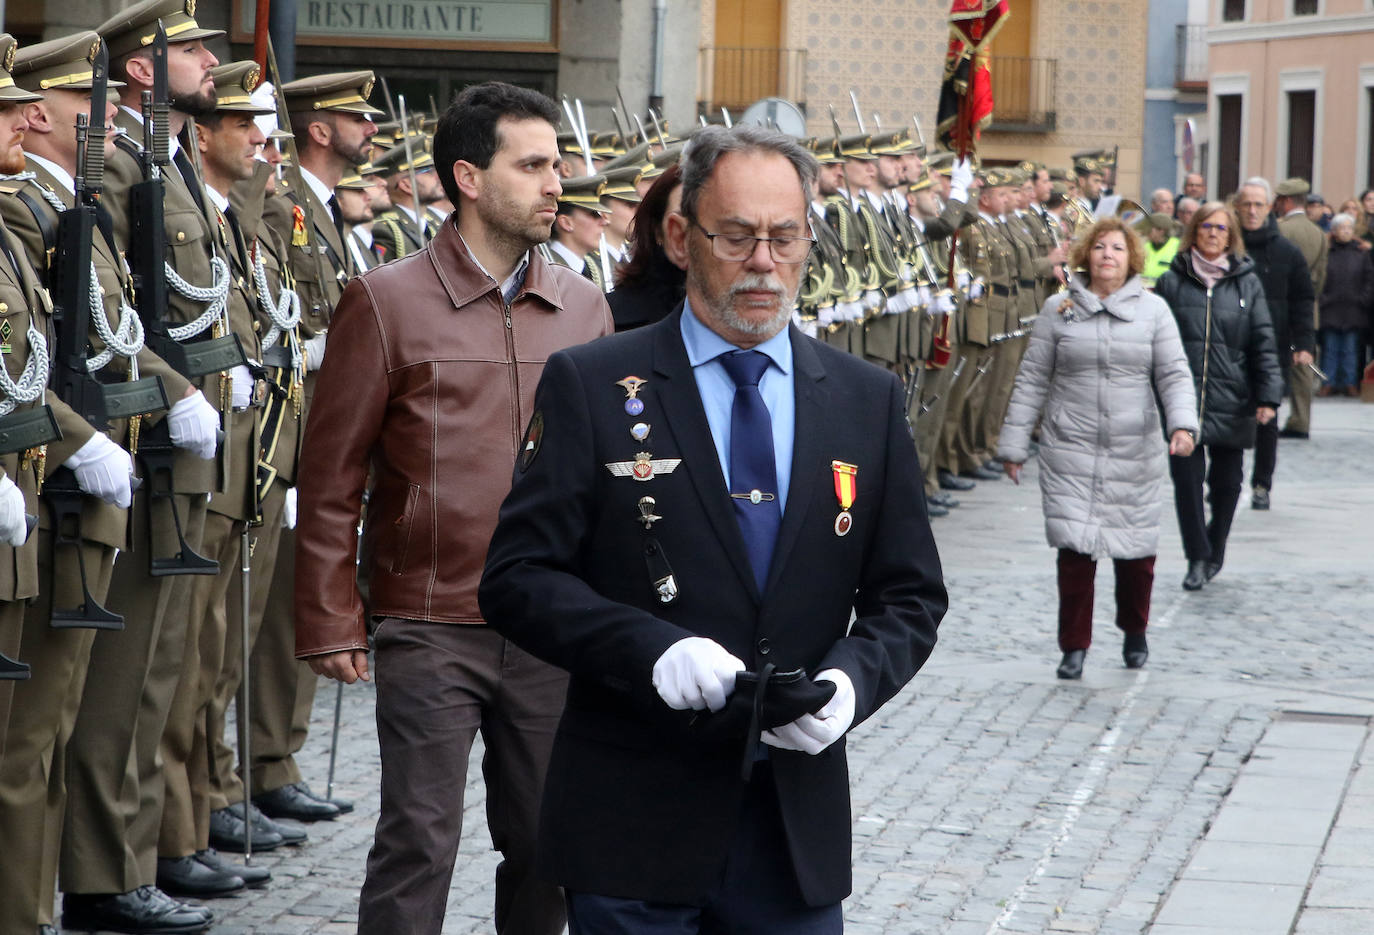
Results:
<point x="1175" y="95"/>
<point x="1290" y="89"/>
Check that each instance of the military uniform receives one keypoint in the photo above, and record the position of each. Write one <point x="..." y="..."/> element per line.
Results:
<point x="185" y="745"/>
<point x="1313" y="243"/>
<point x="396" y="232"/>
<point x="114" y="806"/>
<point x="580" y="194"/>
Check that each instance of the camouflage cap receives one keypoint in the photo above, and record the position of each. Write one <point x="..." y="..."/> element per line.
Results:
<point x="65" y="63"/>
<point x="135" y="27"/>
<point x="345" y="91"/>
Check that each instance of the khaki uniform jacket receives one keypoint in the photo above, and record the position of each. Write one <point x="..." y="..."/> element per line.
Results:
<point x="320" y="262"/>
<point x="395" y="234"/>
<point x="188" y="252"/>
<point x="100" y="521"/>
<point x="280" y="419"/>
<point x="21" y="295"/>
<point x="1311" y="240"/>
<point x="1019" y="238"/>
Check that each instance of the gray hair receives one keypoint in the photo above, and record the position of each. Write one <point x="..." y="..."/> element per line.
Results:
<point x="1342" y="220"/>
<point x="709" y="144"/>
<point x="1259" y="182"/>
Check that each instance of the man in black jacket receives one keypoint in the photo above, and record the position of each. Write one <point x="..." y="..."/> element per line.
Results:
<point x="1288" y="292"/>
<point x="711" y="494"/>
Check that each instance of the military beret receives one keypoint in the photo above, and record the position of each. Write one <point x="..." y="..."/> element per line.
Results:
<point x="620" y="183"/>
<point x="584" y="192"/>
<point x="394" y="161"/>
<point x="135" y="27"/>
<point x="346" y="92"/>
<point x="65" y="63"/>
<point x="234" y="84"/>
<point x="1292" y="188"/>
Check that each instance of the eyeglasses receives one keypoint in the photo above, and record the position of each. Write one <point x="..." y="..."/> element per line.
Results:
<point x="739" y="247"/>
<point x="1209" y="226"/>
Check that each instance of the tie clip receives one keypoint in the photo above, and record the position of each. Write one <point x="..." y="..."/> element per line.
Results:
<point x="754" y="496"/>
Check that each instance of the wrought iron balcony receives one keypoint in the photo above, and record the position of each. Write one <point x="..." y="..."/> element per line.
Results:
<point x="1023" y="94"/>
<point x="737" y="77"/>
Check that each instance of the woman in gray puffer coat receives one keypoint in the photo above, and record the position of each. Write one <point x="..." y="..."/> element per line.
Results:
<point x="1218" y="301"/>
<point x="1099" y="357"/>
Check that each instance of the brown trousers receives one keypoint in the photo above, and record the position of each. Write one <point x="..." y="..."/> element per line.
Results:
<point x="438" y="684"/>
<point x="1135" y="579"/>
<point x="11" y="631"/>
<point x="33" y="786"/>
<point x="114" y="774"/>
<point x="185" y="747"/>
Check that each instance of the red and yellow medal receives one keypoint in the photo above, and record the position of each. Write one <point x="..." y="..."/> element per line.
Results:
<point x="845" y="489"/>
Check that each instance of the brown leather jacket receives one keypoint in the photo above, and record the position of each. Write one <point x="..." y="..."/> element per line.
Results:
<point x="428" y="380"/>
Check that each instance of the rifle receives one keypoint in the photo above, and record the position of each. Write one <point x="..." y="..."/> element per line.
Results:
<point x="147" y="257"/>
<point x="73" y="288"/>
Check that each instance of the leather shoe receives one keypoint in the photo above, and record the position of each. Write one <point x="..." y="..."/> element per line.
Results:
<point x="1259" y="498"/>
<point x="343" y="805"/>
<point x="144" y="911"/>
<point x="186" y="876"/>
<point x="1292" y="433"/>
<point x="1071" y="666"/>
<point x="943" y="499"/>
<point x="1135" y="651"/>
<point x="1197" y="576"/>
<point x="290" y="801"/>
<point x="950" y="481"/>
<point x="992" y="464"/>
<point x="262" y="825"/>
<point x="47" y="930"/>
<point x="934" y="509"/>
<point x="981" y="473"/>
<point x="254" y="876"/>
<point x="1213" y="569"/>
<point x="227" y="832"/>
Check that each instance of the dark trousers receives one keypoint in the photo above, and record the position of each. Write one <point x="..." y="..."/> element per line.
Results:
<point x="438" y="684"/>
<point x="757" y="893"/>
<point x="1135" y="579"/>
<point x="1266" y="454"/>
<point x="1205" y="541"/>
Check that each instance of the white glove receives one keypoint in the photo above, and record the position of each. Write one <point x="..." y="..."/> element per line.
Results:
<point x="963" y="279"/>
<point x="288" y="512"/>
<point x="103" y="470"/>
<point x="975" y="291"/>
<point x="812" y="733"/>
<point x="696" y="673"/>
<point x="944" y="304"/>
<point x="314" y="351"/>
<point x="193" y="423"/>
<point x="960" y="178"/>
<point x="241" y="394"/>
<point x="14" y="527"/>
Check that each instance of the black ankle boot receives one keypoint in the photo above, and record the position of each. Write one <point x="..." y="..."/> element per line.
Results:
<point x="1071" y="667"/>
<point x="1197" y="576"/>
<point x="1135" y="651"/>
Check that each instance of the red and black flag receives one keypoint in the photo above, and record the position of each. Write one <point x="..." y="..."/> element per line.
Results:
<point x="966" y="94"/>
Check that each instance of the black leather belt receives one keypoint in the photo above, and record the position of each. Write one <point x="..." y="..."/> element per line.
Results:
<point x="1027" y="283"/>
<point x="998" y="289"/>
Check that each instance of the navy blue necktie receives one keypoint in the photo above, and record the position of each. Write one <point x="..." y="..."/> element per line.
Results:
<point x="753" y="468"/>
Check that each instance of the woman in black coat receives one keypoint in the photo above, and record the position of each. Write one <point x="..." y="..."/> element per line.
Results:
<point x="1218" y="302"/>
<point x="650" y="285"/>
<point x="1346" y="303"/>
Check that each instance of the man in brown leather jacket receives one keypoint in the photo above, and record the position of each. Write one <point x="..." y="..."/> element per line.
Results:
<point x="428" y="384"/>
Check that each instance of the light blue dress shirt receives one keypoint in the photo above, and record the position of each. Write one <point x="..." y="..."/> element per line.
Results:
<point x="704" y="347"/>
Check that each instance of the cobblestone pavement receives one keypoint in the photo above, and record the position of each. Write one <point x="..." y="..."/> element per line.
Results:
<point x="989" y="796"/>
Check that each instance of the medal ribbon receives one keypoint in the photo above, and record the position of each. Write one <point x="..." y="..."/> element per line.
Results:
<point x="845" y="482"/>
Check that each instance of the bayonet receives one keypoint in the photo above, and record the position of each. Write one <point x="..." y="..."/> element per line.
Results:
<point x="858" y="114"/>
<point x="410" y="162"/>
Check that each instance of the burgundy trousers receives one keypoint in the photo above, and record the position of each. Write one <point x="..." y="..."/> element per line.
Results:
<point x="1135" y="578"/>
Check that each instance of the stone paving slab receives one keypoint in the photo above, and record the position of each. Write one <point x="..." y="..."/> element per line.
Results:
<point x="991" y="797"/>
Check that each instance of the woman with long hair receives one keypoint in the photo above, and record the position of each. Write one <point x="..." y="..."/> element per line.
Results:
<point x="1099" y="357"/>
<point x="649" y="285"/>
<point x="1218" y="301"/>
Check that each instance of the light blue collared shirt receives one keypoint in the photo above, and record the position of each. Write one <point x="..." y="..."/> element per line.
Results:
<point x="704" y="348"/>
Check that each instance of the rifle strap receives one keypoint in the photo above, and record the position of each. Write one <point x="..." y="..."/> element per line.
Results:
<point x="45" y="223"/>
